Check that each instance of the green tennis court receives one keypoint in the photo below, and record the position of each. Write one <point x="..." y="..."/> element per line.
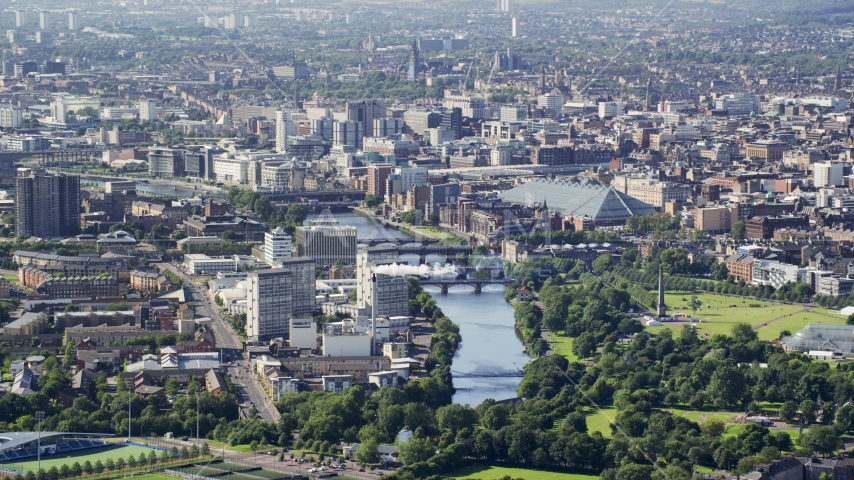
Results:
<point x="91" y="454"/>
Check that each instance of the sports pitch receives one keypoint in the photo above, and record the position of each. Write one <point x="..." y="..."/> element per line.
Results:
<point x="91" y="454"/>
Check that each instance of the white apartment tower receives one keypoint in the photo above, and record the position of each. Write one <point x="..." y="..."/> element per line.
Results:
<point x="73" y="20"/>
<point x="392" y="291"/>
<point x="20" y="18"/>
<point x="515" y="27"/>
<point x="278" y="246"/>
<point x="11" y="116"/>
<point x="277" y="295"/>
<point x="44" y="20"/>
<point x="147" y="110"/>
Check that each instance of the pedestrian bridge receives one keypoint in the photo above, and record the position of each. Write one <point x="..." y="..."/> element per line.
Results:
<point x="508" y="374"/>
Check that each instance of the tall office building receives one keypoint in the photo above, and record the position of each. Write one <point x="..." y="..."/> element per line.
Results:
<point x="276" y="295"/>
<point x="278" y="246"/>
<point x="348" y="133"/>
<point x="326" y="241"/>
<point x="73" y="20"/>
<point x="44" y="20"/>
<point x="515" y="27"/>
<point x="20" y="18"/>
<point x="392" y="292"/>
<point x="366" y="111"/>
<point x="250" y="21"/>
<point x="147" y="110"/>
<point x="504" y="5"/>
<point x="284" y="129"/>
<point x="46" y="205"/>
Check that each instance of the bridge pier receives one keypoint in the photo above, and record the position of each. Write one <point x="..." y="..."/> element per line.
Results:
<point x="477" y="288"/>
<point x="444" y="288"/>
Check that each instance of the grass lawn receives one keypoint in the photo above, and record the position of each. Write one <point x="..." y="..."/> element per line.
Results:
<point x="153" y="476"/>
<point x="719" y="313"/>
<point x="600" y="421"/>
<point x="492" y="472"/>
<point x="92" y="454"/>
<point x="701" y="416"/>
<point x="10" y="278"/>
<point x="563" y="346"/>
<point x="796" y="322"/>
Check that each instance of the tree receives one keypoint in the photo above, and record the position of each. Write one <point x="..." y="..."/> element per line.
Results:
<point x="822" y="439"/>
<point x="253" y="445"/>
<point x="88" y="468"/>
<point x="727" y="384"/>
<point x="410" y="217"/>
<point x="584" y="345"/>
<point x="372" y="201"/>
<point x="602" y="263"/>
<point x="738" y="230"/>
<point x="808" y="409"/>
<point x="850" y="320"/>
<point x="455" y="417"/>
<point x="206" y="449"/>
<point x="416" y="450"/>
<point x="788" y="411"/>
<point x="713" y="428"/>
<point x="695" y="303"/>
<point x="367" y="452"/>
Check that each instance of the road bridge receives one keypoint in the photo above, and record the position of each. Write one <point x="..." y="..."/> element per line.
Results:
<point x="444" y="284"/>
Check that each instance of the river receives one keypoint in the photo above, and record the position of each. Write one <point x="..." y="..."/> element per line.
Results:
<point x="489" y="345"/>
<point x="366" y="229"/>
<point x="486" y="323"/>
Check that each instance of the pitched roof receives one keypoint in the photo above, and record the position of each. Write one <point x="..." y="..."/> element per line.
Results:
<point x="579" y="197"/>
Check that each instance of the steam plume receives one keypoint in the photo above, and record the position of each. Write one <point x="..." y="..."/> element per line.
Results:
<point x="402" y="270"/>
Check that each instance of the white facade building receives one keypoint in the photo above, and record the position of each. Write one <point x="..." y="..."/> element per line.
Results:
<point x="828" y="174"/>
<point x="73" y="20"/>
<point x="277" y="246"/>
<point x="11" y="116"/>
<point x="147" y="110"/>
<point x="302" y="333"/>
<point x="610" y="109"/>
<point x="276" y="295"/>
<point x="284" y="129"/>
<point x="738" y="103"/>
<point x="551" y="102"/>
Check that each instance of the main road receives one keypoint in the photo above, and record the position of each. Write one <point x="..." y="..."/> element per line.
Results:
<point x="235" y="362"/>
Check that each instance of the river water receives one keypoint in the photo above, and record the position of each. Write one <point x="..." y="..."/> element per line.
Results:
<point x="366" y="228"/>
<point x="489" y="345"/>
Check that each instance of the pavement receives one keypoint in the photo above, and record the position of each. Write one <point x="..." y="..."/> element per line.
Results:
<point x="272" y="462"/>
<point x="235" y="362"/>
